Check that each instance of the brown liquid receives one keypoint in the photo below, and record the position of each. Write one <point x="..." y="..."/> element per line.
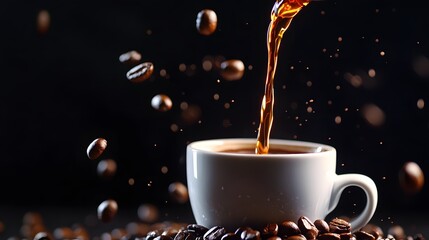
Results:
<point x="281" y="16"/>
<point x="271" y="151"/>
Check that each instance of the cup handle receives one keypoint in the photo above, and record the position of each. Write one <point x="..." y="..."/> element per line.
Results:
<point x="367" y="185"/>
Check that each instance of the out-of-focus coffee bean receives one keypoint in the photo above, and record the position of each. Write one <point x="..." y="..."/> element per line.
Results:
<point x="148" y="213"/>
<point x="43" y="21"/>
<point x="338" y="225"/>
<point x="42" y="236"/>
<point x="139" y="229"/>
<point x="140" y="73"/>
<point x="185" y="234"/>
<point x="131" y="57"/>
<point x="397" y="232"/>
<point x="410" y="238"/>
<point x="362" y="235"/>
<point x="373" y="230"/>
<point x="346" y="236"/>
<point x="96" y="148"/>
<point x="296" y="237"/>
<point x="107" y="210"/>
<point x="32" y="218"/>
<point x="250" y="234"/>
<point x="230" y="236"/>
<point x="411" y="178"/>
<point x="308" y="229"/>
<point x="288" y="228"/>
<point x="64" y="233"/>
<point x="198" y="229"/>
<point x="106" y="168"/>
<point x="232" y="70"/>
<point x="105" y="236"/>
<point x="191" y="114"/>
<point x="118" y="233"/>
<point x="329" y="236"/>
<point x="240" y="230"/>
<point x="81" y="233"/>
<point x="419" y="236"/>
<point x="322" y="226"/>
<point x="163" y="237"/>
<point x="134" y="237"/>
<point x="161" y="103"/>
<point x="206" y="22"/>
<point x="179" y="192"/>
<point x="214" y="233"/>
<point x="274" y="238"/>
<point x="270" y="230"/>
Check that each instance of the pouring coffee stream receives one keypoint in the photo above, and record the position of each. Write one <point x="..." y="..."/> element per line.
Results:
<point x="281" y="16"/>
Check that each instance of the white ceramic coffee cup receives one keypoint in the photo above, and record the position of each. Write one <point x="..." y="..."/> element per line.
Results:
<point x="241" y="189"/>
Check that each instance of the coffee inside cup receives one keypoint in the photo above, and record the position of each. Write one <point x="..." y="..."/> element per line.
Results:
<point x="273" y="149"/>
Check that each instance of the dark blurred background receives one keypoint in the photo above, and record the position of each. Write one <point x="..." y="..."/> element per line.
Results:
<point x="352" y="74"/>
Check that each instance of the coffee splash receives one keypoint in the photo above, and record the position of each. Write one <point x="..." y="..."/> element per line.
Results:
<point x="281" y="16"/>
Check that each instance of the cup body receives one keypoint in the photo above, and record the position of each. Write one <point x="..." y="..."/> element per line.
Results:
<point x="237" y="189"/>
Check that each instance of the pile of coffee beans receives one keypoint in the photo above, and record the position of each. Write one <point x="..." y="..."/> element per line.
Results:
<point x="303" y="229"/>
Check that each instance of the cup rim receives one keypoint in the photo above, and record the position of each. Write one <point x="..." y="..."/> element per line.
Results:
<point x="207" y="146"/>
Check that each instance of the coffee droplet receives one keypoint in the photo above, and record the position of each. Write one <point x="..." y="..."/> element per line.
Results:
<point x="43" y="21"/>
<point x="232" y="70"/>
<point x="131" y="57"/>
<point x="140" y="73"/>
<point x="179" y="192"/>
<point x="107" y="210"/>
<point x="106" y="168"/>
<point x="96" y="148"/>
<point x="411" y="178"/>
<point x="206" y="22"/>
<point x="148" y="213"/>
<point x="161" y="103"/>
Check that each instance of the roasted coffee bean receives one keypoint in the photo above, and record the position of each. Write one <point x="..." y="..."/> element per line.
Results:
<point x="138" y="229"/>
<point x="389" y="237"/>
<point x="373" y="230"/>
<point x="163" y="237"/>
<point x="118" y="233"/>
<point x="161" y="103"/>
<point x="240" y="230"/>
<point x="107" y="210"/>
<point x="288" y="228"/>
<point x="250" y="234"/>
<point x="270" y="230"/>
<point x="32" y="218"/>
<point x="411" y="178"/>
<point x="206" y="22"/>
<point x="148" y="213"/>
<point x="96" y="148"/>
<point x="140" y="73"/>
<point x="179" y="192"/>
<point x="214" y="233"/>
<point x="338" y="225"/>
<point x="419" y="236"/>
<point x="171" y="232"/>
<point x="346" y="236"/>
<point x="131" y="57"/>
<point x="153" y="234"/>
<point x="106" y="168"/>
<point x="322" y="226"/>
<point x="397" y="232"/>
<point x="362" y="235"/>
<point x="232" y="70"/>
<point x="198" y="229"/>
<point x="274" y="238"/>
<point x="329" y="236"/>
<point x="296" y="237"/>
<point x="185" y="234"/>
<point x="307" y="228"/>
<point x="230" y="236"/>
<point x="42" y="236"/>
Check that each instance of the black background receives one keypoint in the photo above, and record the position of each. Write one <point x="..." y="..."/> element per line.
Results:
<point x="62" y="89"/>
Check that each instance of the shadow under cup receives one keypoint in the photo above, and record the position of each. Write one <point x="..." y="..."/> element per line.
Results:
<point x="231" y="186"/>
